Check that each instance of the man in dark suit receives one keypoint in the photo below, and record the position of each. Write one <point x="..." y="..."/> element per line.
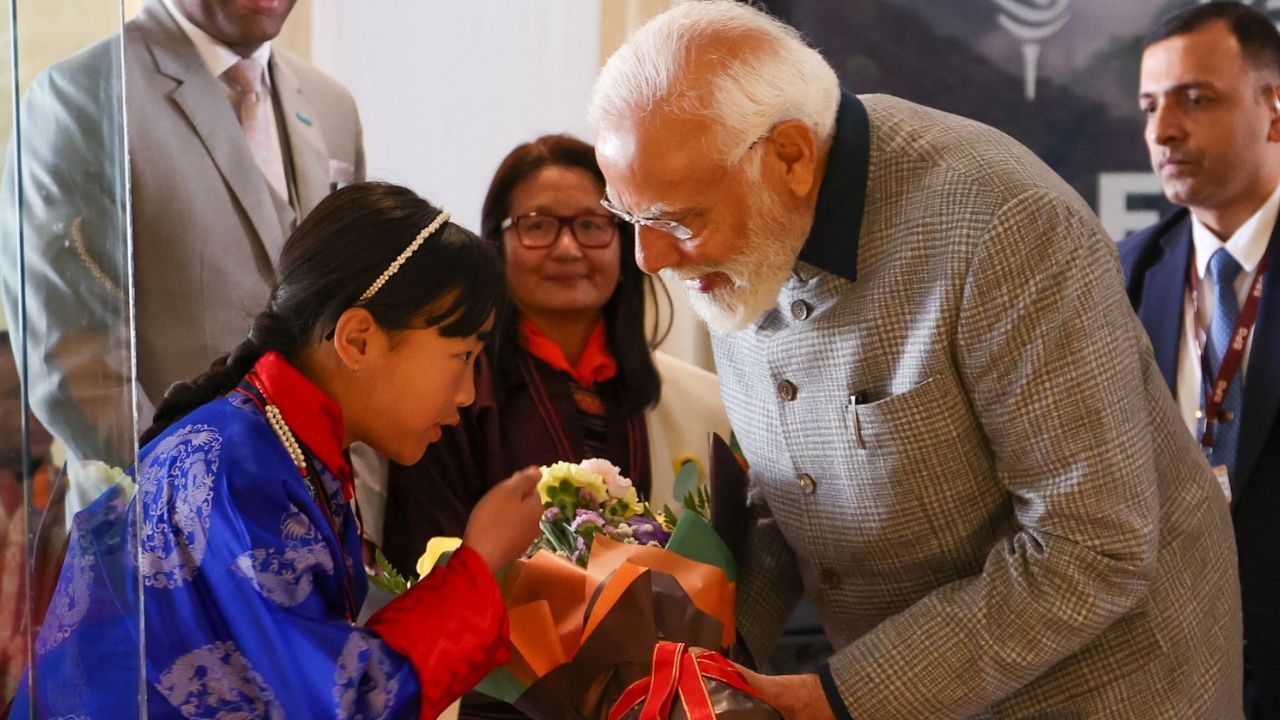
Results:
<point x="1200" y="284"/>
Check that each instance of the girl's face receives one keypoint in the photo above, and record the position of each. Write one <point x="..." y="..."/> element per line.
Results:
<point x="416" y="385"/>
<point x="564" y="276"/>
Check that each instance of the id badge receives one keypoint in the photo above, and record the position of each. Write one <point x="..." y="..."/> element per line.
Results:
<point x="1220" y="474"/>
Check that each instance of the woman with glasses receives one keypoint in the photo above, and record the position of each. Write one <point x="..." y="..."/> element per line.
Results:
<point x="570" y="375"/>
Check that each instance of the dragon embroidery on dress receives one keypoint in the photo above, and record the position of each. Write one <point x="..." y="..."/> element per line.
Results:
<point x="364" y="684"/>
<point x="71" y="601"/>
<point x="176" y="489"/>
<point x="287" y="577"/>
<point x="217" y="681"/>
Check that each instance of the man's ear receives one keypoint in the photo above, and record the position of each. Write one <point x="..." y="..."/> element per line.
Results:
<point x="357" y="337"/>
<point x="793" y="143"/>
<point x="1272" y="101"/>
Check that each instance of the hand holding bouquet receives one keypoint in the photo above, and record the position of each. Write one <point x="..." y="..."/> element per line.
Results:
<point x="611" y="604"/>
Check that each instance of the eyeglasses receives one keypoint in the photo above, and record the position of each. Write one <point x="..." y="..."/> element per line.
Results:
<point x="537" y="230"/>
<point x="671" y="227"/>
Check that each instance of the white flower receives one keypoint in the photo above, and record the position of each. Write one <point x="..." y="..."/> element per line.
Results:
<point x="619" y="487"/>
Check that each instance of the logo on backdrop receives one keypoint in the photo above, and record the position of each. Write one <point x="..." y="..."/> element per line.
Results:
<point x="1032" y="22"/>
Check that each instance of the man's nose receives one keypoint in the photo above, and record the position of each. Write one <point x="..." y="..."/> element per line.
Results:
<point x="1164" y="124"/>
<point x="655" y="249"/>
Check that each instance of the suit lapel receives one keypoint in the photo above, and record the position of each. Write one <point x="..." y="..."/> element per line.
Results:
<point x="1163" y="288"/>
<point x="1262" y="381"/>
<point x="203" y="99"/>
<point x="306" y="143"/>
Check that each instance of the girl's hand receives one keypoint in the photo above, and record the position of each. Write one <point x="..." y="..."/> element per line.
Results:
<point x="505" y="521"/>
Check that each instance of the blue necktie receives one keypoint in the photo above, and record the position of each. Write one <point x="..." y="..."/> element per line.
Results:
<point x="1226" y="309"/>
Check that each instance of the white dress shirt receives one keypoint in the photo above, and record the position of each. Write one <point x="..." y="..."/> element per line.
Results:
<point x="1247" y="246"/>
<point x="219" y="58"/>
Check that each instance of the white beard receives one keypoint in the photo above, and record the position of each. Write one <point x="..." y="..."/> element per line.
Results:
<point x="756" y="272"/>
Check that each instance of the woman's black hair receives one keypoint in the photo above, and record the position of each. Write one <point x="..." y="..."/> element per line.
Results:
<point x="624" y="312"/>
<point x="331" y="259"/>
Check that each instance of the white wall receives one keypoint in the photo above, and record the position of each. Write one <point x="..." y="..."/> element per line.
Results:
<point x="446" y="89"/>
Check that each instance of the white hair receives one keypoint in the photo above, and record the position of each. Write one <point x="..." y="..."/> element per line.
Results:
<point x="744" y="94"/>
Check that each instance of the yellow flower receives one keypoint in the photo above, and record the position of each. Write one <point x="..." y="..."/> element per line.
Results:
<point x="678" y="464"/>
<point x="634" y="505"/>
<point x="436" y="547"/>
<point x="554" y="475"/>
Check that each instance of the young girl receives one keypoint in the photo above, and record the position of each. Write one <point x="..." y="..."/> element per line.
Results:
<point x="236" y="564"/>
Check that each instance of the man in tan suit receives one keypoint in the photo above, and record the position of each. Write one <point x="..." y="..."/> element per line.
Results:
<point x="230" y="142"/>
<point x="961" y="447"/>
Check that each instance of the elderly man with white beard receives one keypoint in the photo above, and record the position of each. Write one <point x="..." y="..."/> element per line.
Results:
<point x="961" y="447"/>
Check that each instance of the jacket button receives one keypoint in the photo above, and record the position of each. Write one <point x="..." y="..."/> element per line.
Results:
<point x="786" y="390"/>
<point x="830" y="579"/>
<point x="800" y="310"/>
<point x="807" y="483"/>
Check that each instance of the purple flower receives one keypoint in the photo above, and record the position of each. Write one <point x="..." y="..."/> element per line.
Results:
<point x="647" y="531"/>
<point x="587" y="517"/>
<point x="550" y="514"/>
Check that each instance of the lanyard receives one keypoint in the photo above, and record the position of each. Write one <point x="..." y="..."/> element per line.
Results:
<point x="551" y="420"/>
<point x="254" y="390"/>
<point x="1215" y="393"/>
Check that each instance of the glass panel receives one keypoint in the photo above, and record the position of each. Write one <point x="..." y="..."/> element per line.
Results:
<point x="65" y="271"/>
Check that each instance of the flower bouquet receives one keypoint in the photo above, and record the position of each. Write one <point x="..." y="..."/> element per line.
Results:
<point x="618" y="610"/>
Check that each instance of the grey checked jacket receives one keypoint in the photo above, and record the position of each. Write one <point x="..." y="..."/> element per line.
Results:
<point x="967" y="456"/>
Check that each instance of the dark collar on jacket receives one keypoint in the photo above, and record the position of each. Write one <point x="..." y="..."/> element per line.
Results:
<point x="832" y="245"/>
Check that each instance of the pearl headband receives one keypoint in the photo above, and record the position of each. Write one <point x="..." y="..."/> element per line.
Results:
<point x="441" y="219"/>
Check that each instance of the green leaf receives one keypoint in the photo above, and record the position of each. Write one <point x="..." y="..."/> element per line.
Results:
<point x="501" y="684"/>
<point x="694" y="538"/>
<point x="686" y="480"/>
<point x="699" y="501"/>
<point x="560" y="539"/>
<point x="387" y="577"/>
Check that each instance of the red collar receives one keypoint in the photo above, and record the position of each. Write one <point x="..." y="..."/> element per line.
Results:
<point x="313" y="416"/>
<point x="595" y="365"/>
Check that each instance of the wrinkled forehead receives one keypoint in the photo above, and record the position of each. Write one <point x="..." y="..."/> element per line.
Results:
<point x="655" y="159"/>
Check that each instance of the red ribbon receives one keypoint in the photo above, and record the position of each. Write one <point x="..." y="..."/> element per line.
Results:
<point x="679" y="670"/>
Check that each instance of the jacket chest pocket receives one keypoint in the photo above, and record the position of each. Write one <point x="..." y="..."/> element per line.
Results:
<point x="919" y="474"/>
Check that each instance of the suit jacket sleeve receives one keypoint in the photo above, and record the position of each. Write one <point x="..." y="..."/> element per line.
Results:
<point x="74" y="258"/>
<point x="1048" y="352"/>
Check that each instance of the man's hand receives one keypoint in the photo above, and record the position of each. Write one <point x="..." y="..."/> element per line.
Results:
<point x="796" y="697"/>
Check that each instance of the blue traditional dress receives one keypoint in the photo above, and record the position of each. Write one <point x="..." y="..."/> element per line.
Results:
<point x="246" y="574"/>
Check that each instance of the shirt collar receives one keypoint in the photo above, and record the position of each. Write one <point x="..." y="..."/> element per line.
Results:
<point x="313" y="417"/>
<point x="1247" y="244"/>
<point x="832" y="245"/>
<point x="595" y="365"/>
<point x="216" y="56"/>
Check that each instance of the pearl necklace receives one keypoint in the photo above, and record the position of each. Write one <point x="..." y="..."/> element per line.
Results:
<point x="281" y="428"/>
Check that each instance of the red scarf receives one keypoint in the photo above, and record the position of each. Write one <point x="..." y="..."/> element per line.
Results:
<point x="596" y="364"/>
<point x="313" y="416"/>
